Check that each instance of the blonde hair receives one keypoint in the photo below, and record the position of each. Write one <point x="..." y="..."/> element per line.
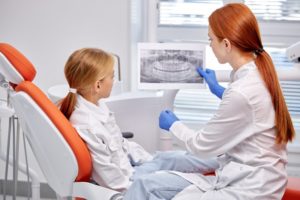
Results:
<point x="237" y="23"/>
<point x="82" y="70"/>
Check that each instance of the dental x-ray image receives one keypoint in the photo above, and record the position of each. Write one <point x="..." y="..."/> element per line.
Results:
<point x="170" y="65"/>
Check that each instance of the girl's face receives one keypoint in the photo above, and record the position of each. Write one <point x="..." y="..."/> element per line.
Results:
<point x="105" y="85"/>
<point x="100" y="89"/>
<point x="218" y="47"/>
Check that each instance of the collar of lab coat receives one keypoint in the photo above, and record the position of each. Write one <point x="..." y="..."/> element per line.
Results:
<point x="242" y="71"/>
<point x="100" y="111"/>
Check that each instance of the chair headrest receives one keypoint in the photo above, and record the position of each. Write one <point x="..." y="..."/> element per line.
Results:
<point x="14" y="66"/>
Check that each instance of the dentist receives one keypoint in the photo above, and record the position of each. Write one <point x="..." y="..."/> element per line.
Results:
<point x="249" y="132"/>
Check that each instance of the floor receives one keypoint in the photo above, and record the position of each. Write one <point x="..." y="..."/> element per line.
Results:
<point x="18" y="198"/>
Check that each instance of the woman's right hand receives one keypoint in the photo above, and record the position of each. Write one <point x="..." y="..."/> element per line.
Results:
<point x="211" y="79"/>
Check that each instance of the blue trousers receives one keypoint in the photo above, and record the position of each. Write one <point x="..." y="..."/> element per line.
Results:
<point x="148" y="185"/>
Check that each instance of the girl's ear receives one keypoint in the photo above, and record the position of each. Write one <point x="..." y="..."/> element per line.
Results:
<point x="97" y="85"/>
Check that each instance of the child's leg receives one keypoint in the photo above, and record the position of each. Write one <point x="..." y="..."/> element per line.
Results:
<point x="185" y="162"/>
<point x="177" y="161"/>
<point x="156" y="186"/>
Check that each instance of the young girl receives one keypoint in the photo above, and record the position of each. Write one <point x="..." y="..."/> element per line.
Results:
<point x="116" y="161"/>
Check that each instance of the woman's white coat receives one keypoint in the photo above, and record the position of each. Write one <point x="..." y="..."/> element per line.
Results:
<point x="242" y="135"/>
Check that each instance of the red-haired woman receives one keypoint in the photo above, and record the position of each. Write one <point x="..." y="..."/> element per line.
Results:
<point x="250" y="130"/>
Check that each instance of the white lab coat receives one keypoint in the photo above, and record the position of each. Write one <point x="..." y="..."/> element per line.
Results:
<point x="109" y="150"/>
<point x="242" y="134"/>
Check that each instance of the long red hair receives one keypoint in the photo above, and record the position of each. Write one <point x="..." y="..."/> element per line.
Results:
<point x="238" y="24"/>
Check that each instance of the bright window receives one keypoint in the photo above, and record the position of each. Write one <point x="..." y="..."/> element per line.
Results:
<point x="188" y="12"/>
<point x="287" y="10"/>
<point x="196" y="12"/>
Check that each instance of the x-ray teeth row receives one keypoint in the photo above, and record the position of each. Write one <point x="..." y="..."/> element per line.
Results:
<point x="170" y="66"/>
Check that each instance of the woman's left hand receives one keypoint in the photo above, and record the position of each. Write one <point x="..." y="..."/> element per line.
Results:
<point x="166" y="119"/>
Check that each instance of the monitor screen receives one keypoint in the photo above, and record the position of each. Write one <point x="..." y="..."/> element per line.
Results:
<point x="170" y="65"/>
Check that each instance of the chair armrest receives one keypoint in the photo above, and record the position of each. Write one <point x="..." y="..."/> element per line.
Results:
<point x="91" y="191"/>
<point x="127" y="135"/>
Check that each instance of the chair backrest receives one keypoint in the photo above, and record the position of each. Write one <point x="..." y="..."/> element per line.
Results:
<point x="59" y="150"/>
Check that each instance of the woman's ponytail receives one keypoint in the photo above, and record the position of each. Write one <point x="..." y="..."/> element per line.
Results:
<point x="283" y="121"/>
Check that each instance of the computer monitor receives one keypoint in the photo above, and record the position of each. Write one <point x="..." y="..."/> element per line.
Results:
<point x="170" y="65"/>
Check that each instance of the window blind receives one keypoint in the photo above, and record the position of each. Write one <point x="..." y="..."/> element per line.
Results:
<point x="288" y="10"/>
<point x="186" y="12"/>
<point x="291" y="89"/>
<point x="196" y="12"/>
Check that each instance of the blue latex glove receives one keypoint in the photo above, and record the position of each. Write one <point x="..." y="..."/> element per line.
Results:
<point x="166" y="119"/>
<point x="210" y="78"/>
